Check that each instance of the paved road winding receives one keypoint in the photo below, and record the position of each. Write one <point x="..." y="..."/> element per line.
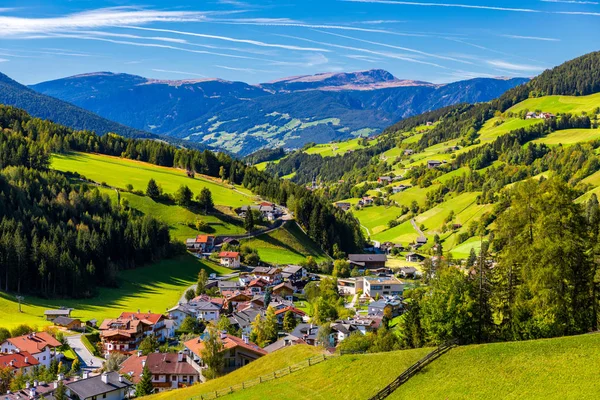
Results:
<point x="88" y="360"/>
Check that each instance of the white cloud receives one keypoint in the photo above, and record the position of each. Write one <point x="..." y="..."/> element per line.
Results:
<point x="453" y="5"/>
<point x="571" y="2"/>
<point x="3" y="60"/>
<point x="229" y="39"/>
<point x="514" y="67"/>
<point x="400" y="48"/>
<point x="363" y="58"/>
<point x="104" y="17"/>
<point x="179" y="72"/>
<point x="240" y="69"/>
<point x="544" y="39"/>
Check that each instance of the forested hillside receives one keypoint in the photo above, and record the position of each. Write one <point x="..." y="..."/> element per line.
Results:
<point x="59" y="236"/>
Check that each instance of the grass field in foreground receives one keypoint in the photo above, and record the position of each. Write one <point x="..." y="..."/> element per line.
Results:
<point x="346" y="377"/>
<point x="286" y="245"/>
<point x="561" y="368"/>
<point x="119" y="172"/>
<point x="178" y="218"/>
<point x="154" y="287"/>
<point x="263" y="366"/>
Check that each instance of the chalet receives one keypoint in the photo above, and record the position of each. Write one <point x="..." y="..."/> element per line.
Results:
<point x="285" y="290"/>
<point x="307" y="332"/>
<point x="236" y="352"/>
<point x="270" y="274"/>
<point x="199" y="310"/>
<point x="121" y="335"/>
<point x="229" y="259"/>
<point x="374" y="287"/>
<point x="429" y="123"/>
<point x="546" y="115"/>
<point x="72" y="324"/>
<point x="242" y="320"/>
<point x="433" y="164"/>
<point x="339" y="332"/>
<point x="368" y="261"/>
<point x="367" y="201"/>
<point x="363" y="324"/>
<point x="18" y="362"/>
<point x="531" y="115"/>
<point x="286" y="341"/>
<point x="409" y="272"/>
<point x="155" y="322"/>
<point x="343" y="206"/>
<point x="227" y="286"/>
<point x="51" y="315"/>
<point x="201" y="243"/>
<point x="385" y="180"/>
<point x="293" y="272"/>
<point x="377" y="308"/>
<point x="409" y="152"/>
<point x="169" y="370"/>
<point x="257" y="286"/>
<point x="299" y="315"/>
<point x="41" y="345"/>
<point x="234" y="298"/>
<point x="108" y="385"/>
<point x="414" y="257"/>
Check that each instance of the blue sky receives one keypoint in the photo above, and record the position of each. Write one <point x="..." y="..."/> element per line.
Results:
<point x="258" y="41"/>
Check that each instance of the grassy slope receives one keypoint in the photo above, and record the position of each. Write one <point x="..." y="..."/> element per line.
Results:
<point x="560" y="104"/>
<point x="154" y="287"/>
<point x="265" y="365"/>
<point x="346" y="377"/>
<point x="287" y="245"/>
<point x="178" y="217"/>
<point x="375" y="218"/>
<point x="334" y="149"/>
<point x="570" y="136"/>
<point x="120" y="172"/>
<point x="562" y="368"/>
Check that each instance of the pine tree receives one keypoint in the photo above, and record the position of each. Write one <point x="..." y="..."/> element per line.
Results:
<point x="152" y="190"/>
<point x="289" y="322"/>
<point x="202" y="281"/>
<point x="60" y="393"/>
<point x="144" y="386"/>
<point x="249" y="220"/>
<point x="205" y="200"/>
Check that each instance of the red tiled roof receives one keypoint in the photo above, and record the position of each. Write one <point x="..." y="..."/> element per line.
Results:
<point x="203" y="238"/>
<point x="18" y="360"/>
<point x="258" y="282"/>
<point x="133" y="367"/>
<point x="34" y="342"/>
<point x="291" y="309"/>
<point x="152" y="318"/>
<point x="229" y="254"/>
<point x="229" y="342"/>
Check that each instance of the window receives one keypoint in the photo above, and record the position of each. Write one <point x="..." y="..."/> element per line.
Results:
<point x="376" y="287"/>
<point x="104" y="396"/>
<point x="386" y="287"/>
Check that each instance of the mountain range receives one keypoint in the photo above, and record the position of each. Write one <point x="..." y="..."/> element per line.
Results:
<point x="242" y="118"/>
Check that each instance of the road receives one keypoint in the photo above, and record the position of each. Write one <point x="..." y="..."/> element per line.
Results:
<point x="416" y="228"/>
<point x="88" y="360"/>
<point x="183" y="300"/>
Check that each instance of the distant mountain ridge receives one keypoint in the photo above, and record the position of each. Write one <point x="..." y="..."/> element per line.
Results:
<point x="289" y="112"/>
<point x="43" y="106"/>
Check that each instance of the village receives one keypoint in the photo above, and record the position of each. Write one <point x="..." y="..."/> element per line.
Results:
<point x="92" y="359"/>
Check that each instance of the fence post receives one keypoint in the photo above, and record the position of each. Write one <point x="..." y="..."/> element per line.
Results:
<point x="290" y="369"/>
<point x="260" y="379"/>
<point x="309" y="362"/>
<point x="216" y="395"/>
<point x="274" y="375"/>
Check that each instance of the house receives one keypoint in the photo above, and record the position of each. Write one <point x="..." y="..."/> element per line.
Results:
<point x="51" y="315"/>
<point x="155" y="323"/>
<point x="234" y="298"/>
<point x="421" y="241"/>
<point x="409" y="272"/>
<point x="285" y="290"/>
<point x="236" y="352"/>
<point x="270" y="274"/>
<point x="343" y="206"/>
<point x="546" y="115"/>
<point x="385" y="180"/>
<point x="409" y="152"/>
<point x="414" y="257"/>
<point x="293" y="272"/>
<point x="229" y="259"/>
<point x="108" y="385"/>
<point x="40" y="345"/>
<point x="257" y="286"/>
<point x="433" y="164"/>
<point x="374" y="287"/>
<point x="367" y="201"/>
<point x="339" y="332"/>
<point x="286" y="341"/>
<point x="229" y="286"/>
<point x="298" y="315"/>
<point x="531" y="115"/>
<point x="169" y="370"/>
<point x="121" y="335"/>
<point x="307" y="332"/>
<point x="363" y="324"/>
<point x="201" y="243"/>
<point x="368" y="261"/>
<point x="429" y="123"/>
<point x="199" y="310"/>
<point x="349" y="286"/>
<point x="72" y="324"/>
<point x="18" y="362"/>
<point x="242" y="320"/>
<point x="36" y="390"/>
<point x="399" y="188"/>
<point x="377" y="308"/>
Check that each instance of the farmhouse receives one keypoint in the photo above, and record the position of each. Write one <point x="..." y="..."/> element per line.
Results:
<point x="343" y="206"/>
<point x="108" y="385"/>
<point x="41" y="345"/>
<point x="72" y="324"/>
<point x="297" y="314"/>
<point x="293" y="272"/>
<point x="414" y="257"/>
<point x="236" y="352"/>
<point x="399" y="188"/>
<point x="201" y="243"/>
<point x="368" y="261"/>
<point x="230" y="259"/>
<point x="169" y="370"/>
<point x="270" y="274"/>
<point x="409" y="152"/>
<point x="51" y="315"/>
<point x="285" y="290"/>
<point x="386" y="180"/>
<point x="433" y="164"/>
<point x="18" y="362"/>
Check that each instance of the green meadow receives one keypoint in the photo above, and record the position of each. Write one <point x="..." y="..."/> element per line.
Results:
<point x="154" y="287"/>
<point x="570" y="136"/>
<point x="340" y="148"/>
<point x="560" y="104"/>
<point x="119" y="172"/>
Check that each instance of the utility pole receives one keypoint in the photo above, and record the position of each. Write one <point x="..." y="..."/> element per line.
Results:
<point x="20" y="299"/>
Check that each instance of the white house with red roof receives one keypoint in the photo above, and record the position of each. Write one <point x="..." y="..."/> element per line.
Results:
<point x="41" y="345"/>
<point x="18" y="362"/>
<point x="201" y="243"/>
<point x="230" y="259"/>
